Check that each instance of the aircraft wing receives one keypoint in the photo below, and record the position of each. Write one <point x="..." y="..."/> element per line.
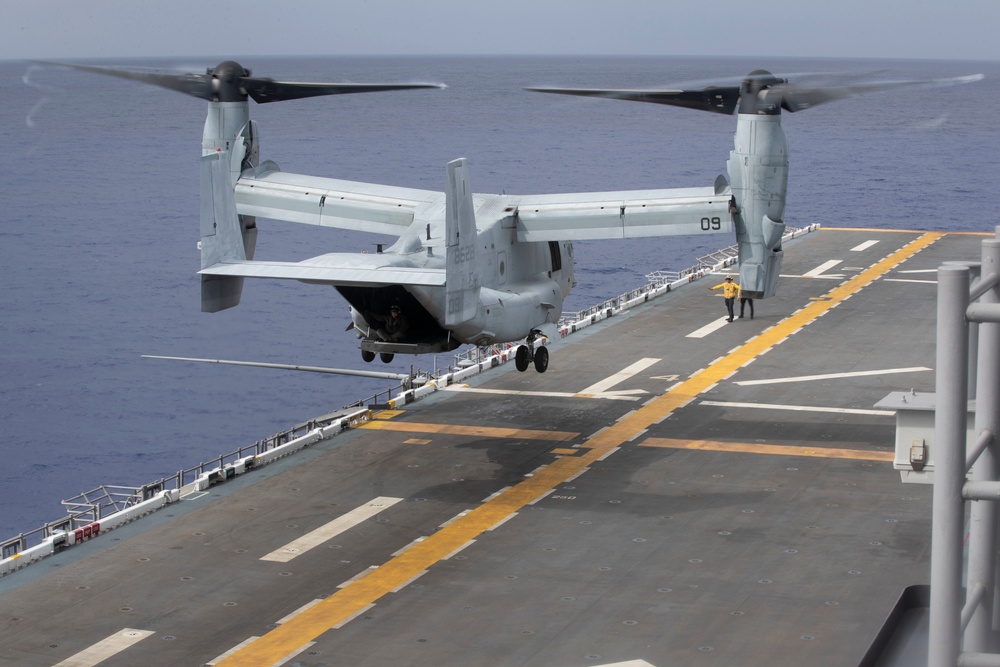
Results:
<point x="386" y="209"/>
<point x="624" y="214"/>
<point x="328" y="202"/>
<point x="335" y="269"/>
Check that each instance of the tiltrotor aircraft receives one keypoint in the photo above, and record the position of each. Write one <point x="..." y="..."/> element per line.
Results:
<point x="471" y="268"/>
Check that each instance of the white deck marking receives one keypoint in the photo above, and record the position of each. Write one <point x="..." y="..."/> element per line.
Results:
<point x="622" y="395"/>
<point x="330" y="530"/>
<point x="508" y="392"/>
<point x="628" y="663"/>
<point x="106" y="648"/>
<point x="822" y="268"/>
<point x="799" y="408"/>
<point x="619" y="377"/>
<point x="597" y="390"/>
<point x="911" y="280"/>
<point x="709" y="328"/>
<point x="863" y="246"/>
<point x="833" y="376"/>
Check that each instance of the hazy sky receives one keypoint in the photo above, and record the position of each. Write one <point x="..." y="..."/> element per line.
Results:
<point x="950" y="29"/>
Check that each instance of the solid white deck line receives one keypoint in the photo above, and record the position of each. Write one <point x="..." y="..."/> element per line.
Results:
<point x="709" y="328"/>
<point x="105" y="648"/>
<point x="799" y="408"/>
<point x="330" y="530"/>
<point x="832" y="376"/>
<point x="822" y="268"/>
<point x="619" y="377"/>
<point x="623" y="395"/>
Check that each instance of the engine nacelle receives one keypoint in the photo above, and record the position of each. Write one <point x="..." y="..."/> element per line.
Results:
<point x="758" y="174"/>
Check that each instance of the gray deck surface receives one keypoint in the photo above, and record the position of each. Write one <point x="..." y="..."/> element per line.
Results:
<point x="693" y="526"/>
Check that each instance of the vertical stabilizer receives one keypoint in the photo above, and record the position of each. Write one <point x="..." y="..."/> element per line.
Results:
<point x="462" y="274"/>
<point x="225" y="236"/>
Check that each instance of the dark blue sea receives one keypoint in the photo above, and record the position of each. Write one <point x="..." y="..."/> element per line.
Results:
<point x="99" y="225"/>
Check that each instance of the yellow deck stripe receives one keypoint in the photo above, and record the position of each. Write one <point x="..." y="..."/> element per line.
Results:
<point x="478" y="431"/>
<point x="366" y="590"/>
<point x="387" y="414"/>
<point x="776" y="450"/>
<point x="875" y="230"/>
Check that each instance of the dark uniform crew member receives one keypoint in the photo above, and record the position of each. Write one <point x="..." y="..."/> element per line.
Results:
<point x="730" y="291"/>
<point x="395" y="326"/>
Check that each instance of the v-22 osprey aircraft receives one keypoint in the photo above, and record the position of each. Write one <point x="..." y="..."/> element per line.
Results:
<point x="471" y="268"/>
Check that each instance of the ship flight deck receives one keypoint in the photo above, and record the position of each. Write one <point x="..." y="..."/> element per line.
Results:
<point x="674" y="490"/>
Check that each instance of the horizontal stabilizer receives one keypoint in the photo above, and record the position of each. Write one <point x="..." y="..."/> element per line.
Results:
<point x="314" y="272"/>
<point x="329" y="202"/>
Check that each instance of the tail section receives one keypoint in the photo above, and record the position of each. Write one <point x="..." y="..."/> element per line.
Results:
<point x="462" y="274"/>
<point x="225" y="235"/>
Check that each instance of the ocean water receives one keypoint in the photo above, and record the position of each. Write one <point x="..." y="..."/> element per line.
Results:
<point x="99" y="225"/>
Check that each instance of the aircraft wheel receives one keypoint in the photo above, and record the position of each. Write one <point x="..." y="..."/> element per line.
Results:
<point x="386" y="357"/>
<point x="521" y="358"/>
<point x="368" y="356"/>
<point x="541" y="359"/>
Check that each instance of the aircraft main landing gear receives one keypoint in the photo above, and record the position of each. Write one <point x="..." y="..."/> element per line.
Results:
<point x="527" y="354"/>
<point x="368" y="356"/>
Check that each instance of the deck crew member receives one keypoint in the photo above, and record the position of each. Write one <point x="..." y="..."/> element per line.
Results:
<point x="730" y="291"/>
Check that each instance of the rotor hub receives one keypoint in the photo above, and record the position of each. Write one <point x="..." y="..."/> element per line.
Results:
<point x="754" y="97"/>
<point x="227" y="81"/>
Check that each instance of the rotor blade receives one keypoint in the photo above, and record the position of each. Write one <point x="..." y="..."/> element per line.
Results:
<point x="268" y="90"/>
<point x="290" y="367"/>
<point x="765" y="90"/>
<point x="229" y="82"/>
<point x="196" y="85"/>
<point x="721" y="99"/>
<point x="797" y="98"/>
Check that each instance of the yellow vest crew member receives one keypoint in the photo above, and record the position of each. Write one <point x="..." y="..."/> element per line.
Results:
<point x="730" y="291"/>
